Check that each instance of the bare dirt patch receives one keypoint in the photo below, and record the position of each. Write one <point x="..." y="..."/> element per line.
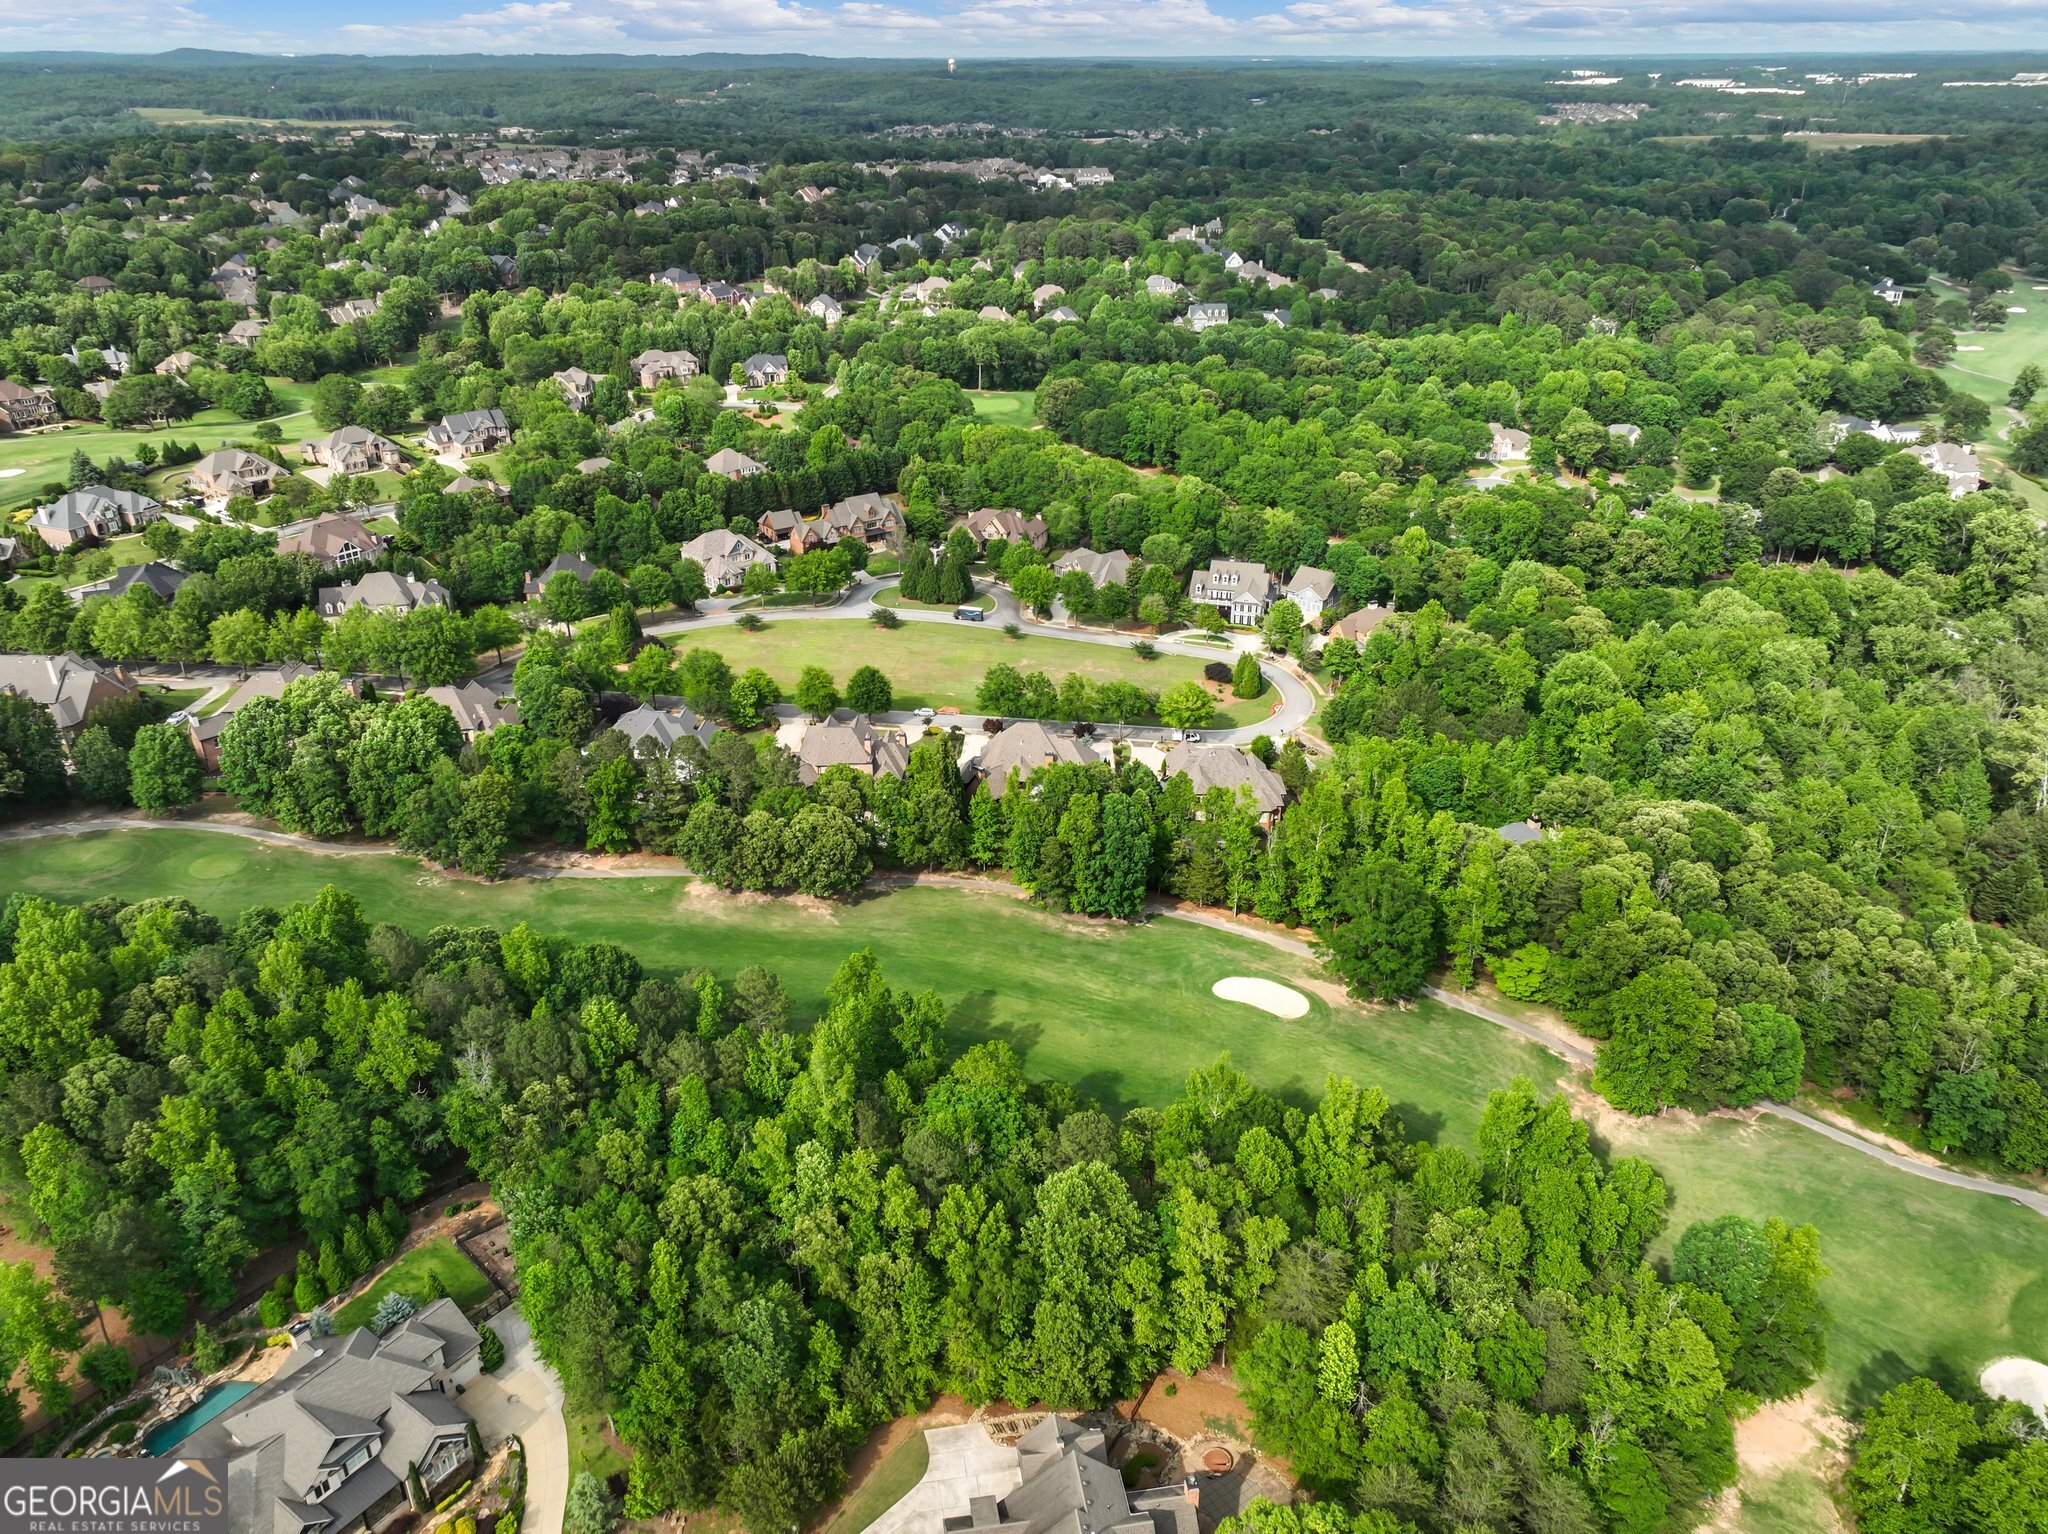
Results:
<point x="1800" y="1437"/>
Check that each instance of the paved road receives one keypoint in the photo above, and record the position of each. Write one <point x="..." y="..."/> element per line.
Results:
<point x="525" y="1397"/>
<point x="1295" y="701"/>
<point x="1573" y="1054"/>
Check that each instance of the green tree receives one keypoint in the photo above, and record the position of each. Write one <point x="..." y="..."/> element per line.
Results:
<point x="164" y="772"/>
<point x="99" y="767"/>
<point x="1187" y="706"/>
<point x="1381" y="939"/>
<point x="869" y="692"/>
<point x="1246" y="679"/>
<point x="815" y="694"/>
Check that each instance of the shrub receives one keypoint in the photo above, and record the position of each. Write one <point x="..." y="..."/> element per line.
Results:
<point x="1522" y="973"/>
<point x="107" y="1368"/>
<point x="393" y="1308"/>
<point x="490" y="1349"/>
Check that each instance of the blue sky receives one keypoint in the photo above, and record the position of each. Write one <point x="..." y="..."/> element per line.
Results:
<point x="1575" y="29"/>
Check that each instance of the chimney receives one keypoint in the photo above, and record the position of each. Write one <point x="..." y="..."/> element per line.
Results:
<point x="1191" y="1488"/>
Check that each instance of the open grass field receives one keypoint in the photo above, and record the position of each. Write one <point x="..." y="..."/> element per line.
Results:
<point x="901" y="1468"/>
<point x="186" y="117"/>
<point x="1989" y="373"/>
<point x="1925" y="1278"/>
<point x="412" y="1274"/>
<point x="1005" y="407"/>
<point x="934" y="665"/>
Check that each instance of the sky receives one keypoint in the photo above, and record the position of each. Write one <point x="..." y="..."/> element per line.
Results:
<point x="1574" y="29"/>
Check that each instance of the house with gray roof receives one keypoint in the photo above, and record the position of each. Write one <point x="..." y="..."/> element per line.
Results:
<point x="570" y="563"/>
<point x="729" y="464"/>
<point x="827" y="308"/>
<point x="1066" y="1485"/>
<point x="162" y="578"/>
<point x="1235" y="772"/>
<point x="329" y="1442"/>
<point x="353" y="450"/>
<point x="872" y="517"/>
<point x="726" y="557"/>
<point x="1953" y="462"/>
<point x="765" y="368"/>
<point x="476" y="708"/>
<point x="383" y="591"/>
<point x="22" y="407"/>
<point x="1311" y="590"/>
<point x="1102" y="569"/>
<point x="469" y="432"/>
<point x="1006" y="523"/>
<point x="1238" y="588"/>
<point x="847" y="739"/>
<point x="92" y="515"/>
<point x="232" y="471"/>
<point x="68" y="685"/>
<point x="577" y="387"/>
<point x="268" y="683"/>
<point x="650" y="727"/>
<point x="653" y="365"/>
<point x="1201" y="317"/>
<point x="1024" y="747"/>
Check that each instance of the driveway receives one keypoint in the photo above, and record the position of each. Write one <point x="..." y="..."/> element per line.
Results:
<point x="524" y="1397"/>
<point x="965" y="1463"/>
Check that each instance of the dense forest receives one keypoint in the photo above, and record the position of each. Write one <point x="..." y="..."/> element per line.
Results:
<point x="750" y="1244"/>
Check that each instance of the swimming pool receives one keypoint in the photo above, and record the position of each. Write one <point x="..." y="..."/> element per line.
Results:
<point x="194" y="1417"/>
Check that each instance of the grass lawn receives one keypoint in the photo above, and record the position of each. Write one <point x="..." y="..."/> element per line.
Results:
<point x="175" y="699"/>
<point x="589" y="1449"/>
<point x="1005" y="407"/>
<point x="900" y="1469"/>
<point x="894" y="598"/>
<point x="442" y="1259"/>
<point x="934" y="665"/>
<point x="1924" y="1278"/>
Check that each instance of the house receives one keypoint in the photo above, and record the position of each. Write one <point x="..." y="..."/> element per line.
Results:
<point x="336" y="540"/>
<point x="1163" y="287"/>
<point x="1023" y="748"/>
<point x="463" y="484"/>
<point x="1888" y="290"/>
<point x="68" y="685"/>
<point x="1274" y="317"/>
<point x="873" y="518"/>
<point x="94" y="286"/>
<point x="177" y="365"/>
<point x="1627" y="432"/>
<point x="1845" y="426"/>
<point x="92" y="515"/>
<point x="353" y="450"/>
<point x="867" y="259"/>
<point x="950" y="234"/>
<point x="164" y="579"/>
<point x="469" y="432"/>
<point x="1102" y="569"/>
<point x="991" y="312"/>
<point x="1233" y="771"/>
<point x="22" y="407"/>
<point x="1238" y="588"/>
<point x="728" y="464"/>
<point x="1201" y="317"/>
<point x="232" y="471"/>
<point x="1506" y="444"/>
<point x="562" y="564"/>
<point x="1061" y="315"/>
<point x="205" y="733"/>
<point x="333" y="1439"/>
<point x="595" y="465"/>
<point x="244" y="332"/>
<point x="827" y="308"/>
<point x="1063" y="1483"/>
<point x="112" y="358"/>
<point x="354" y="309"/>
<point x="847" y="739"/>
<point x="382" y="591"/>
<point x="577" y="387"/>
<point x="677" y="280"/>
<point x="782" y="525"/>
<point x="1520" y="831"/>
<point x="1003" y="522"/>
<point x="1311" y="590"/>
<point x="765" y="368"/>
<point x="1958" y="465"/>
<point x="726" y="557"/>
<point x="13" y="551"/>
<point x="476" y="708"/>
<point x="652" y="366"/>
<point x="1045" y="293"/>
<point x="1358" y="626"/>
<point x="722" y="293"/>
<point x="650" y="728"/>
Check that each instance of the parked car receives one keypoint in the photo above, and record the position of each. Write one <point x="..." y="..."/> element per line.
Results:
<point x="969" y="615"/>
<point x="924" y="713"/>
<point x="1191" y="737"/>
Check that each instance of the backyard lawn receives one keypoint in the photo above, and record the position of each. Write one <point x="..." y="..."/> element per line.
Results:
<point x="1924" y="1277"/>
<point x="933" y="665"/>
<point x="413" y="1274"/>
<point x="1005" y="407"/>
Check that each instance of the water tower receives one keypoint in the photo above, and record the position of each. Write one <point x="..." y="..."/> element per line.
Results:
<point x="951" y="67"/>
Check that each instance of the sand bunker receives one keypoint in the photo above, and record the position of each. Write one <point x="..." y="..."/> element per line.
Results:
<point x="2017" y="1379"/>
<point x="1969" y="348"/>
<point x="1266" y="995"/>
<point x="12" y="473"/>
